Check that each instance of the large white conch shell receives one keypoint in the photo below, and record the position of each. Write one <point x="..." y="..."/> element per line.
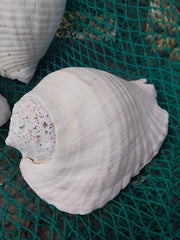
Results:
<point x="4" y="110"/>
<point x="27" y="28"/>
<point x="83" y="134"/>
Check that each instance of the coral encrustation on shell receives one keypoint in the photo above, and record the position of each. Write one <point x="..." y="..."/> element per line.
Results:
<point x="32" y="130"/>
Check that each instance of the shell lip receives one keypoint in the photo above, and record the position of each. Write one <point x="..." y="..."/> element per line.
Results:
<point x="33" y="160"/>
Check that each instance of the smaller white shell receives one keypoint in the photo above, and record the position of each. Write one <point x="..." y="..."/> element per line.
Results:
<point x="26" y="31"/>
<point x="4" y="110"/>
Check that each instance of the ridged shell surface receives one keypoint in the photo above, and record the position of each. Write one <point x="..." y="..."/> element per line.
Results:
<point x="27" y="28"/>
<point x="91" y="131"/>
<point x="4" y="110"/>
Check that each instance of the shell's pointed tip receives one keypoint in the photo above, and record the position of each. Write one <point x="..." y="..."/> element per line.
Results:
<point x="143" y="80"/>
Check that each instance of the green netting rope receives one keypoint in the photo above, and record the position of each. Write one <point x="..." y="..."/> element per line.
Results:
<point x="132" y="39"/>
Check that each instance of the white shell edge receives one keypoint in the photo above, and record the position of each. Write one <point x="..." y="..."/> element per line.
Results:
<point x="4" y="110"/>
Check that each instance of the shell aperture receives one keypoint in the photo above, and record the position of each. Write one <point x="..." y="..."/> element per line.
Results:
<point x="32" y="131"/>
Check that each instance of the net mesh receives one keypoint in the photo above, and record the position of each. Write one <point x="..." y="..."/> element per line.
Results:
<point x="132" y="39"/>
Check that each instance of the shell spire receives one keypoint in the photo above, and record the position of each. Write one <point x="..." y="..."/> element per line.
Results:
<point x="104" y="130"/>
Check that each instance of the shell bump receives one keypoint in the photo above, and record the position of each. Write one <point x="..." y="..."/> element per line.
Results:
<point x="26" y="31"/>
<point x="83" y="134"/>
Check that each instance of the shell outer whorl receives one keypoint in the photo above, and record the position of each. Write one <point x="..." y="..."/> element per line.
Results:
<point x="31" y="130"/>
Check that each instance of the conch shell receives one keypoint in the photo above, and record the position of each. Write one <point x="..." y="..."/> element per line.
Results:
<point x="4" y="110"/>
<point x="26" y="31"/>
<point x="83" y="134"/>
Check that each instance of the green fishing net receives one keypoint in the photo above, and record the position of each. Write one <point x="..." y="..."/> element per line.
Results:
<point x="132" y="39"/>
